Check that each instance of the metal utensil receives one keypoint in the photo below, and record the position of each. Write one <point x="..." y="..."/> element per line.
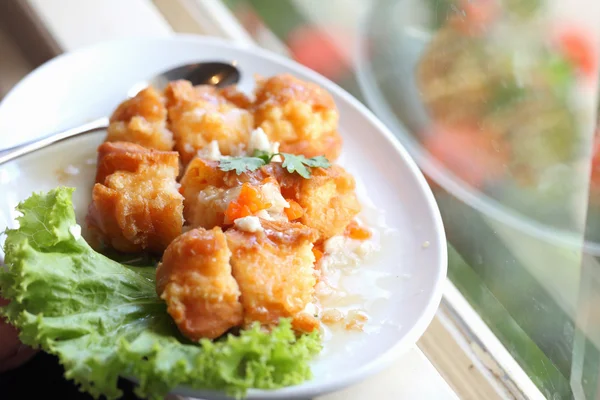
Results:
<point x="205" y="73"/>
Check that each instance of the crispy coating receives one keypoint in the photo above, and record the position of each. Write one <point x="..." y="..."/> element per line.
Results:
<point x="135" y="203"/>
<point x="199" y="115"/>
<point x="275" y="272"/>
<point x="300" y="115"/>
<point x="233" y="95"/>
<point x="328" y="198"/>
<point x="329" y="201"/>
<point x="207" y="192"/>
<point x="195" y="280"/>
<point x="122" y="156"/>
<point x="142" y="120"/>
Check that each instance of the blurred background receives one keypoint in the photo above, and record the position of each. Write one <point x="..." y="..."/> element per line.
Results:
<point x="497" y="100"/>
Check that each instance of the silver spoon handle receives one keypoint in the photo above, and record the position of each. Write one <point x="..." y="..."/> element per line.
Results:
<point x="15" y="152"/>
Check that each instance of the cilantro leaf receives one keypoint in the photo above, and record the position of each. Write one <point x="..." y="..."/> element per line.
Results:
<point x="263" y="155"/>
<point x="295" y="163"/>
<point x="299" y="163"/>
<point x="319" y="161"/>
<point x="291" y="162"/>
<point x="241" y="164"/>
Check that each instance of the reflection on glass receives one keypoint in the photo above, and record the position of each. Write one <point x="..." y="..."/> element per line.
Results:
<point x="498" y="87"/>
<point x="496" y="100"/>
<point x="493" y="98"/>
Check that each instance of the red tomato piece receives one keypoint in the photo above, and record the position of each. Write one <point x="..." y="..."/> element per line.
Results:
<point x="470" y="154"/>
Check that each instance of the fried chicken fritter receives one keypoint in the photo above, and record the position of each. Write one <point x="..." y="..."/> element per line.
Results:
<point x="328" y="198"/>
<point x="135" y="203"/>
<point x="199" y="115"/>
<point x="300" y="115"/>
<point x="233" y="95"/>
<point x="329" y="201"/>
<point x="142" y="120"/>
<point x="275" y="272"/>
<point x="123" y="156"/>
<point x="208" y="193"/>
<point x="195" y="280"/>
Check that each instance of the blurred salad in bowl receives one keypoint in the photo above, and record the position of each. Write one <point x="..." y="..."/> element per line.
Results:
<point x="487" y="95"/>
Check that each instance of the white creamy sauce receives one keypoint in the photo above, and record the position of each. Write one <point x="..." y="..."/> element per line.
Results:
<point x="342" y="251"/>
<point x="272" y="195"/>
<point x="248" y="224"/>
<point x="210" y="151"/>
<point x="263" y="214"/>
<point x="213" y="196"/>
<point x="259" y="141"/>
<point x="351" y="289"/>
<point x="188" y="148"/>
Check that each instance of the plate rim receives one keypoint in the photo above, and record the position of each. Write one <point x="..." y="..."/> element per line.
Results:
<point x="306" y="389"/>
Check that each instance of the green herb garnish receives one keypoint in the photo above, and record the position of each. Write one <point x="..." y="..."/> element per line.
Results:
<point x="292" y="162"/>
<point x="301" y="164"/>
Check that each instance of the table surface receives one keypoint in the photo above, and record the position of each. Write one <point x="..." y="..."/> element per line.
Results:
<point x="411" y="377"/>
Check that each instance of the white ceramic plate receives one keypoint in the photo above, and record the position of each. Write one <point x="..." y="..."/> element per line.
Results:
<point x="401" y="287"/>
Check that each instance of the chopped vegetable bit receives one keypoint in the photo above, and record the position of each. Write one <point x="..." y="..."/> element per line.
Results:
<point x="357" y="232"/>
<point x="249" y="202"/>
<point x="578" y="48"/>
<point x="472" y="154"/>
<point x="318" y="254"/>
<point x="294" y="211"/>
<point x="475" y="17"/>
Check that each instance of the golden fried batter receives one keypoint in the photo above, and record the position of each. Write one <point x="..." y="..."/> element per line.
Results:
<point x="135" y="203"/>
<point x="329" y="201"/>
<point x="142" y="120"/>
<point x="327" y="198"/>
<point x="300" y="115"/>
<point x="119" y="156"/>
<point x="199" y="115"/>
<point x="208" y="192"/>
<point x="233" y="95"/>
<point x="194" y="278"/>
<point x="275" y="272"/>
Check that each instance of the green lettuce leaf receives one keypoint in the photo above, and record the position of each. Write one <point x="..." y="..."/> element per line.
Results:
<point x="104" y="320"/>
